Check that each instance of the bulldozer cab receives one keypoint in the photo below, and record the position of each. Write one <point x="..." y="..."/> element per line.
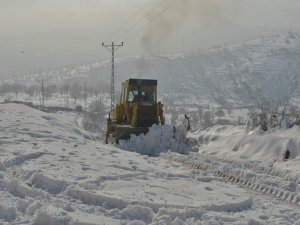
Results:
<point x="139" y="90"/>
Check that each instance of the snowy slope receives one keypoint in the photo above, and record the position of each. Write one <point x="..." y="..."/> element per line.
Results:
<point x="52" y="172"/>
<point x="264" y="148"/>
<point x="236" y="75"/>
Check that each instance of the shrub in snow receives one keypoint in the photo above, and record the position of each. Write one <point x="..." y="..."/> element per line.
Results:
<point x="294" y="114"/>
<point x="158" y="139"/>
<point x="293" y="147"/>
<point x="270" y="115"/>
<point x="180" y="132"/>
<point x="287" y="154"/>
<point x="257" y="119"/>
<point x="208" y="119"/>
<point x="94" y="118"/>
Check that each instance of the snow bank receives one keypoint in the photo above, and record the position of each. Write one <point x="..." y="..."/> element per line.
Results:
<point x="158" y="139"/>
<point x="235" y="143"/>
<point x="41" y="125"/>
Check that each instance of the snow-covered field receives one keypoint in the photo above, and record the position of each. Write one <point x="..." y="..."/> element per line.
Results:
<point x="52" y="172"/>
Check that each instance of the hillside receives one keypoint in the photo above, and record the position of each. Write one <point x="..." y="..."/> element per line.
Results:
<point x="228" y="75"/>
<point x="268" y="67"/>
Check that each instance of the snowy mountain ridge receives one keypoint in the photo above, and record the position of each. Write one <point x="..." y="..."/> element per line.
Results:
<point x="228" y="75"/>
<point x="236" y="75"/>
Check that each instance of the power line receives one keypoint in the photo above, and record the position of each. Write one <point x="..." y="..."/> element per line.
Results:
<point x="152" y="19"/>
<point x="122" y="35"/>
<point x="120" y="28"/>
<point x="138" y="22"/>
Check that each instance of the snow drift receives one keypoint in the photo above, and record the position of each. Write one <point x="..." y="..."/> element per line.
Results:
<point x="159" y="139"/>
<point x="52" y="172"/>
<point x="267" y="148"/>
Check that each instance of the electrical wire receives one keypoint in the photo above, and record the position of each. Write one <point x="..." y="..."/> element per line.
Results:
<point x="120" y="28"/>
<point x="123" y="34"/>
<point x="152" y="19"/>
<point x="126" y="33"/>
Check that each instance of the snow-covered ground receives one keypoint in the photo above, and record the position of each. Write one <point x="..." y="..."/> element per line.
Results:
<point x="55" y="100"/>
<point x="52" y="172"/>
<point x="267" y="148"/>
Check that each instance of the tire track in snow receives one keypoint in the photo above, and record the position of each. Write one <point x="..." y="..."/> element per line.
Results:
<point x="20" y="159"/>
<point x="257" y="168"/>
<point x="254" y="183"/>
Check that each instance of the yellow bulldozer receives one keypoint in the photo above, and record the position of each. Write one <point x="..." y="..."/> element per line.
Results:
<point x="136" y="111"/>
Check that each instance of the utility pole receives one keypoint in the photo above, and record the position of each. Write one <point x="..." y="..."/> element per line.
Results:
<point x="43" y="93"/>
<point x="84" y="95"/>
<point x="40" y="98"/>
<point x="112" y="48"/>
<point x="67" y="96"/>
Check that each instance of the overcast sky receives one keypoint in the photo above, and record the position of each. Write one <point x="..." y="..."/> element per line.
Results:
<point x="40" y="35"/>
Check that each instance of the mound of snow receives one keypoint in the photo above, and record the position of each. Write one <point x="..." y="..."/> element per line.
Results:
<point x="158" y="139"/>
<point x="21" y="119"/>
<point x="235" y="143"/>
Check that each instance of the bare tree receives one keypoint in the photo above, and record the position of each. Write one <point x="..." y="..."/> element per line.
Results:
<point x="76" y="91"/>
